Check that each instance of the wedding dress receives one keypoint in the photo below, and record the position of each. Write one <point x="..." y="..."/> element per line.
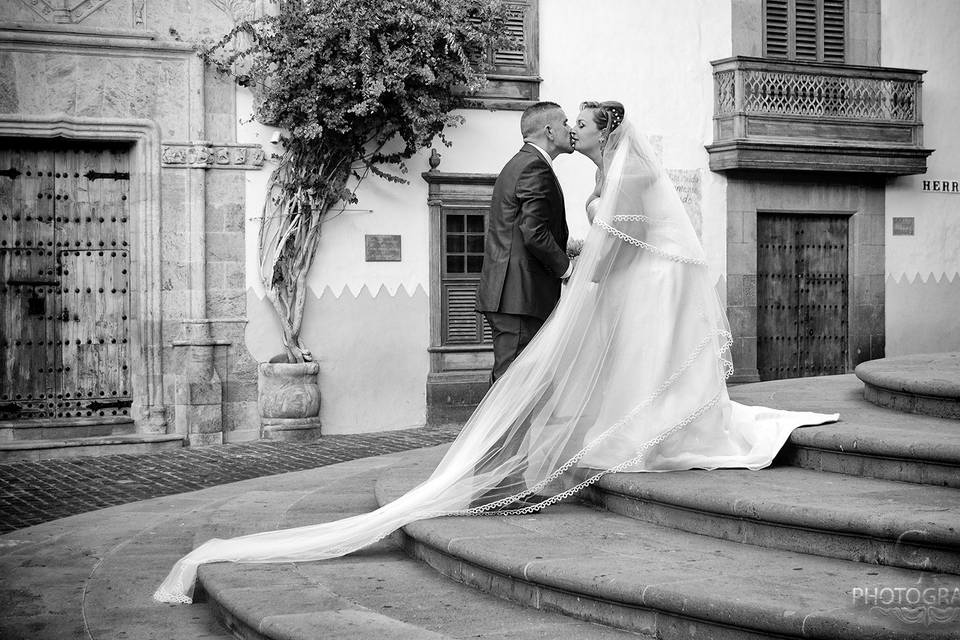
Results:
<point x="627" y="375"/>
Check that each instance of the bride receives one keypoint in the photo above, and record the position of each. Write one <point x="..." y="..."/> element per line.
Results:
<point x="627" y="375"/>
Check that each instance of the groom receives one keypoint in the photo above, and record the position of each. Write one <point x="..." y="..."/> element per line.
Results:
<point x="525" y="256"/>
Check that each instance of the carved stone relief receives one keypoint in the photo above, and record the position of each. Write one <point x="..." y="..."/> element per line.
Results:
<point x="238" y="10"/>
<point x="72" y="11"/>
<point x="204" y="155"/>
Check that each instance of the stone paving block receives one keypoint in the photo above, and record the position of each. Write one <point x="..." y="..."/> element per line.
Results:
<point x="32" y="492"/>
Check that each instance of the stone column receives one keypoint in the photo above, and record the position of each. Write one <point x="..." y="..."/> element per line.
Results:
<point x="198" y="391"/>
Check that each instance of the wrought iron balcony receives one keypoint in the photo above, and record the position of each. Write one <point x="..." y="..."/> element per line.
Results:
<point x="792" y="116"/>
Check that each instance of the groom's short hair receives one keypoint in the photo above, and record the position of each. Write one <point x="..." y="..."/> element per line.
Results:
<point x="535" y="117"/>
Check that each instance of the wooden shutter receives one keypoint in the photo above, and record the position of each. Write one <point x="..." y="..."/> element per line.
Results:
<point x="777" y="31"/>
<point x="805" y="34"/>
<point x="806" y="30"/>
<point x="519" y="16"/>
<point x="834" y="31"/>
<point x="463" y="324"/>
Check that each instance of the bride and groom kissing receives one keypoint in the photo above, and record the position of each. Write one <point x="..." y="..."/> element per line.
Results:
<point x="625" y="372"/>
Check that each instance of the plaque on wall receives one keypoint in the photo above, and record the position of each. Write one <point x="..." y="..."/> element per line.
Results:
<point x="382" y="248"/>
<point x="688" y="184"/>
<point x="903" y="226"/>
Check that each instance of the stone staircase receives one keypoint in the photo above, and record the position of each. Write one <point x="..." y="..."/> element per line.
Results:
<point x="45" y="438"/>
<point x="853" y="533"/>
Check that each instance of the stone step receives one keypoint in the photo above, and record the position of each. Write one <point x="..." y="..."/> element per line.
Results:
<point x="917" y="449"/>
<point x="377" y="592"/>
<point x="63" y="428"/>
<point x="605" y="567"/>
<point x="865" y="520"/>
<point x="868" y="440"/>
<point x="32" y="450"/>
<point x="921" y="383"/>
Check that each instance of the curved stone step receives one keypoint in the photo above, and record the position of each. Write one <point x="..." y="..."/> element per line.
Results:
<point x="827" y="514"/>
<point x="921" y="383"/>
<point x="669" y="584"/>
<point x="917" y="449"/>
<point x="868" y="440"/>
<point x="377" y="592"/>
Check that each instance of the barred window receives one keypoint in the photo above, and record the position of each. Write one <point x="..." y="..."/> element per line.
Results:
<point x="805" y="30"/>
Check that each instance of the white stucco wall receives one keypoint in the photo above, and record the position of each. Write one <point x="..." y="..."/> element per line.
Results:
<point x="923" y="270"/>
<point x="653" y="56"/>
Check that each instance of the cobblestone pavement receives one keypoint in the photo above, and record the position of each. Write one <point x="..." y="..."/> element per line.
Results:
<point x="36" y="492"/>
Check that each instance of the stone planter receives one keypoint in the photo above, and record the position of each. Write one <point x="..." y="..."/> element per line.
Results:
<point x="288" y="397"/>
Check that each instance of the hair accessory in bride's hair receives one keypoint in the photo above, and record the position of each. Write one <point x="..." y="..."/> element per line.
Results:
<point x="615" y="113"/>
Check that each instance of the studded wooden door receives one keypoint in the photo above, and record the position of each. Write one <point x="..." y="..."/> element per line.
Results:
<point x="64" y="281"/>
<point x="801" y="295"/>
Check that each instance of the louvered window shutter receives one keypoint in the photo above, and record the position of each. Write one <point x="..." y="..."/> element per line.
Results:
<point x="806" y="30"/>
<point x="834" y="31"/>
<point x="777" y="36"/>
<point x="462" y="323"/>
<point x="519" y="27"/>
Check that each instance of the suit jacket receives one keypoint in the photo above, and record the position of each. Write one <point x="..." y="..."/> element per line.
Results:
<point x="525" y="249"/>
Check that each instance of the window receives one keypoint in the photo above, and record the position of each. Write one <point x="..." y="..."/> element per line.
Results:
<point x="805" y="30"/>
<point x="463" y="233"/>
<point x="514" y="82"/>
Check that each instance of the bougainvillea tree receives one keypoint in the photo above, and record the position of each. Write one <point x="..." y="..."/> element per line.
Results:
<point x="358" y="87"/>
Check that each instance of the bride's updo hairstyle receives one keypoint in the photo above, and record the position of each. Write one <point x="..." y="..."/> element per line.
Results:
<point x="608" y="115"/>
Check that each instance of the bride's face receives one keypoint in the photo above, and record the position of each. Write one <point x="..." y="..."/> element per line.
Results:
<point x="588" y="134"/>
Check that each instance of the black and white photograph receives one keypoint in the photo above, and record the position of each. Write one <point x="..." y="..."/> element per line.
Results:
<point x="479" y="319"/>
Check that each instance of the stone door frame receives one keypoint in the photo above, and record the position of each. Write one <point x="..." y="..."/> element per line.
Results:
<point x="146" y="372"/>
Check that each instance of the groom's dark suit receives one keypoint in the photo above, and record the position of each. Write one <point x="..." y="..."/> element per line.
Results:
<point x="524" y="254"/>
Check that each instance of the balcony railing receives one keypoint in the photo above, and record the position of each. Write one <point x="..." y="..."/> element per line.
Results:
<point x="773" y="114"/>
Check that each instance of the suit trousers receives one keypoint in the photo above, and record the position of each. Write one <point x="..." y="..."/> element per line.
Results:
<point x="511" y="333"/>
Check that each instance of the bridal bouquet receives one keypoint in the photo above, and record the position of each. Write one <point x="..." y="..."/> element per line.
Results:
<point x="574" y="247"/>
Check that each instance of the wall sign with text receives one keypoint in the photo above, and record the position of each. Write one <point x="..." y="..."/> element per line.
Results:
<point x="940" y="186"/>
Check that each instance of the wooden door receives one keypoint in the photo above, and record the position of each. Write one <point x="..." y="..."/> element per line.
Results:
<point x="64" y="281"/>
<point x="801" y="295"/>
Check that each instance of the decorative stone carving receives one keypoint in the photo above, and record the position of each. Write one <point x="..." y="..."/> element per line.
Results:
<point x="206" y="155"/>
<point x="238" y="10"/>
<point x="66" y="12"/>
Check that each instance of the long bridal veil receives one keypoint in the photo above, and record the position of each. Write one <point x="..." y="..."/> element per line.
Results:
<point x="627" y="374"/>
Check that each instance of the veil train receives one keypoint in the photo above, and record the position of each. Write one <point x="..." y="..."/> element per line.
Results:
<point x="627" y="375"/>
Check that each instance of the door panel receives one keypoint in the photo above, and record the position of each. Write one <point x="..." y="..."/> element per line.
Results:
<point x="64" y="286"/>
<point x="801" y="295"/>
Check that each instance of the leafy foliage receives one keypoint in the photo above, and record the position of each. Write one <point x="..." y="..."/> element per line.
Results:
<point x="359" y="86"/>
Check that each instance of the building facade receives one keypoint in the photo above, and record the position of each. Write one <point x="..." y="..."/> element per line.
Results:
<point x="811" y="142"/>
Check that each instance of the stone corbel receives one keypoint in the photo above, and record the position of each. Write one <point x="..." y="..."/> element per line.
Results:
<point x="207" y="155"/>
